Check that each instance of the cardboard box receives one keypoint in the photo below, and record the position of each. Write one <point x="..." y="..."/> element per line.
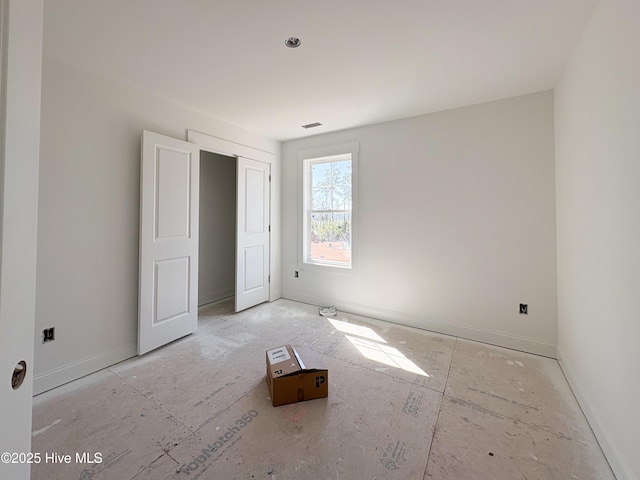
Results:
<point x="295" y="374"/>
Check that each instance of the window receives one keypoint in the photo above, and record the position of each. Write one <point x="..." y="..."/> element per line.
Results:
<point x="328" y="207"/>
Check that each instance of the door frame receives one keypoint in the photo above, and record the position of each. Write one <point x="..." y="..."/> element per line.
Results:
<point x="227" y="148"/>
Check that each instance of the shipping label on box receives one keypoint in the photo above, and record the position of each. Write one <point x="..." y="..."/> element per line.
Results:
<point x="278" y="355"/>
<point x="295" y="374"/>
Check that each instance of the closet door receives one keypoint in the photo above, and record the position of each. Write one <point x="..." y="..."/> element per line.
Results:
<point x="169" y="206"/>
<point x="253" y="233"/>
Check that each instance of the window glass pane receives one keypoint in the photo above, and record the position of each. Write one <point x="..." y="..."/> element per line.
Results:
<point x="321" y="186"/>
<point x="320" y="174"/>
<point x="321" y="198"/>
<point x="341" y="181"/>
<point x="331" y="237"/>
<point x="341" y="172"/>
<point x="328" y="193"/>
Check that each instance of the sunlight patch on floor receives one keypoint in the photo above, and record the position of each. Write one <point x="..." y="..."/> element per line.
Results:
<point x="359" y="330"/>
<point x="386" y="355"/>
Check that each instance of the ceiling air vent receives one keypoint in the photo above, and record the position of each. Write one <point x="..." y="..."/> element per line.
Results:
<point x="311" y="125"/>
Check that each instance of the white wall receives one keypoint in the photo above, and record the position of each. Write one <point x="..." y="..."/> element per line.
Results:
<point x="456" y="223"/>
<point x="216" y="257"/>
<point x="20" y="69"/>
<point x="87" y="272"/>
<point x="597" y="108"/>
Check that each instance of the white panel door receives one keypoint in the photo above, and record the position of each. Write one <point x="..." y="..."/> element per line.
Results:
<point x="20" y="64"/>
<point x="169" y="206"/>
<point x="252" y="239"/>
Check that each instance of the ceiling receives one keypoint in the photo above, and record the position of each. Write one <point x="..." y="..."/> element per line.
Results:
<point x="360" y="62"/>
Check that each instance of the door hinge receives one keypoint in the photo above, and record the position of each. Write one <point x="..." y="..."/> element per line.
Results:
<point x="269" y="278"/>
<point x="269" y="177"/>
<point x="269" y="227"/>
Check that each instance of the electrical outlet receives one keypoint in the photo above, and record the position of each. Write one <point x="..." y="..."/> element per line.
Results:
<point x="48" y="334"/>
<point x="295" y="274"/>
<point x="524" y="309"/>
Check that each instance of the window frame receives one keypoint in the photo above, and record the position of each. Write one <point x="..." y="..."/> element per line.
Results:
<point x="306" y="159"/>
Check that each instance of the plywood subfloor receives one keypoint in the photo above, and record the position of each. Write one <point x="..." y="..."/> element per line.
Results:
<point x="403" y="404"/>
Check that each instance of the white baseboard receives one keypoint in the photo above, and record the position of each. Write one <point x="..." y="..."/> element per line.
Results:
<point x="215" y="296"/>
<point x="67" y="373"/>
<point x="618" y="465"/>
<point x="470" y="333"/>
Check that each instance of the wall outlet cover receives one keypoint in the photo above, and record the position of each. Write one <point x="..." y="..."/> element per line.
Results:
<point x="48" y="334"/>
